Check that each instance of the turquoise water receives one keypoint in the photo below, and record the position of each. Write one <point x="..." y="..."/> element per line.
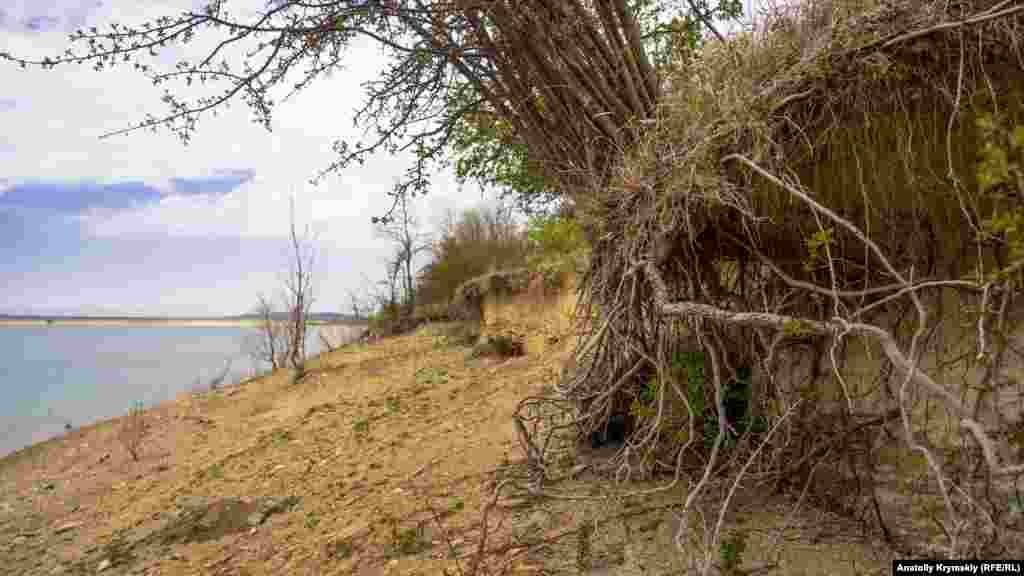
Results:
<point x="53" y="375"/>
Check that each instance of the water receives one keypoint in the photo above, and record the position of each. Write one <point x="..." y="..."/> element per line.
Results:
<point x="56" y="375"/>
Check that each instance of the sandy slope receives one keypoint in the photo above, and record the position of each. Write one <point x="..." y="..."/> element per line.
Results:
<point x="353" y="471"/>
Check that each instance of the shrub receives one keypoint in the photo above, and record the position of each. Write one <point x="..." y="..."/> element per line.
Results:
<point x="556" y="245"/>
<point x="478" y="241"/>
<point x="731" y="551"/>
<point x="503" y="346"/>
<point x="553" y="234"/>
<point x="133" y="430"/>
<point x="462" y="333"/>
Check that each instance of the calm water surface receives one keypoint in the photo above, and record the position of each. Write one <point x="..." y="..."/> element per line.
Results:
<point x="54" y="375"/>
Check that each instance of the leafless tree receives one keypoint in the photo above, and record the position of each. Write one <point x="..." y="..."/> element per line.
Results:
<point x="281" y="340"/>
<point x="217" y="380"/>
<point x="298" y="295"/>
<point x="269" y="345"/>
<point x="359" y="303"/>
<point x="401" y="229"/>
<point x="388" y="299"/>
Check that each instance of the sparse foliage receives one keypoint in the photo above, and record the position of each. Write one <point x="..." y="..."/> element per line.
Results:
<point x="535" y="97"/>
<point x="360" y="304"/>
<point x="299" y="296"/>
<point x="270" y="344"/>
<point x="402" y="230"/>
<point x="134" y="429"/>
<point x="281" y="339"/>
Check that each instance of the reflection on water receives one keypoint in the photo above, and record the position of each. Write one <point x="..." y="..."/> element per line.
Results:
<point x="55" y="376"/>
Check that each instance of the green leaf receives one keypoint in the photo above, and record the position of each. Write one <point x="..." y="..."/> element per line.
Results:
<point x="1018" y="137"/>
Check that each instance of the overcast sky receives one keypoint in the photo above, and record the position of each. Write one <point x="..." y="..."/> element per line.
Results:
<point x="142" y="224"/>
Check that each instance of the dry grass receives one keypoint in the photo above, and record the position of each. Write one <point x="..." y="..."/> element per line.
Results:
<point x="381" y="462"/>
<point x="430" y="431"/>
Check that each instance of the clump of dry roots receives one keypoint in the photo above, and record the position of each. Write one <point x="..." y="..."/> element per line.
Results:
<point x="812" y="256"/>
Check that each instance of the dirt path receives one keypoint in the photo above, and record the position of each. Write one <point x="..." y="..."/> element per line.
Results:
<point x="350" y="472"/>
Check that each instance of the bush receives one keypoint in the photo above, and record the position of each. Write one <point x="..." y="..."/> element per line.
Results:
<point x="551" y="235"/>
<point x="463" y="334"/>
<point x="133" y="430"/>
<point x="383" y="323"/>
<point x="503" y="346"/>
<point x="557" y="245"/>
<point x="479" y="241"/>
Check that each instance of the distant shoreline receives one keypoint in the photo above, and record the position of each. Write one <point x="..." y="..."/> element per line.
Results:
<point x="124" y="322"/>
<point x="198" y="322"/>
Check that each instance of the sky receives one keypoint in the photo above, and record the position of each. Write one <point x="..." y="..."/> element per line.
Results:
<point x="140" y="223"/>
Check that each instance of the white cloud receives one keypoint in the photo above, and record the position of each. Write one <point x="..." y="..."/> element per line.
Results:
<point x="61" y="114"/>
<point x="57" y="117"/>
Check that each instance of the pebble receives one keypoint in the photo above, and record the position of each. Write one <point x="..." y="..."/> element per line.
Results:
<point x="104" y="564"/>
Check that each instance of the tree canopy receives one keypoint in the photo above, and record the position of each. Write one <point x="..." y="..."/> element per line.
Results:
<point x="531" y="96"/>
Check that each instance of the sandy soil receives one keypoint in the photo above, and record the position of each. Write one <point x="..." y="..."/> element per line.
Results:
<point x="379" y="462"/>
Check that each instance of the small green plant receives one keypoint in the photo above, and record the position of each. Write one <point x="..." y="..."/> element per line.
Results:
<point x="1000" y="176"/>
<point x="312" y="520"/>
<point x="215" y="471"/>
<point x="737" y="398"/>
<point x="458" y="505"/>
<point x="643" y="405"/>
<point x="730" y="551"/>
<point x="688" y="367"/>
<point x="341" y="549"/>
<point x="279" y="437"/>
<point x="816" y="248"/>
<point x="361" y="427"/>
<point x="1001" y="157"/>
<point x="410" y="541"/>
<point x="1016" y="504"/>
<point x="797" y="329"/>
<point x="430" y="376"/>
<point x="405" y="541"/>
<point x="650" y="392"/>
<point x="394" y="404"/>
